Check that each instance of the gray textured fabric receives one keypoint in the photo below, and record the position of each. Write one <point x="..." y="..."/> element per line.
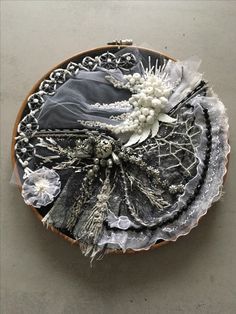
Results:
<point x="72" y="100"/>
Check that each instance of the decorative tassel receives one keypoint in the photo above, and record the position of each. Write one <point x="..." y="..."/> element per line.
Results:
<point x="92" y="229"/>
<point x="85" y="192"/>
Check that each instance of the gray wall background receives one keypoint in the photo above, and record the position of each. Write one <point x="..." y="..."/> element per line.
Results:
<point x="41" y="273"/>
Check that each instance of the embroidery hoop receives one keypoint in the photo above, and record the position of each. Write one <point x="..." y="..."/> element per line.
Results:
<point x="95" y="51"/>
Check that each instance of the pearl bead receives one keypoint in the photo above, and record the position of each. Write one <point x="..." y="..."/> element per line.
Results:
<point x="145" y="111"/>
<point x="95" y="168"/>
<point x="136" y="76"/>
<point x="109" y="163"/>
<point x="131" y="100"/>
<point x="150" y="119"/>
<point x="135" y="125"/>
<point x="90" y="173"/>
<point x="164" y="100"/>
<point x="133" y="114"/>
<point x="142" y="118"/>
<point x="151" y="112"/>
<point x="96" y="161"/>
<point x="132" y="81"/>
<point x="156" y="102"/>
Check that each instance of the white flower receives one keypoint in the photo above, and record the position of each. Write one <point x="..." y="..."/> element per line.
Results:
<point x="149" y="98"/>
<point x="41" y="187"/>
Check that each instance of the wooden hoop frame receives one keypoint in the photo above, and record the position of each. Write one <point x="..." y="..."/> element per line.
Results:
<point x="19" y="116"/>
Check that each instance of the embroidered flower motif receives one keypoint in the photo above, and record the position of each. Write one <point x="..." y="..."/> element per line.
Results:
<point x="28" y="125"/>
<point x="150" y="95"/>
<point x="35" y="101"/>
<point x="41" y="187"/>
<point x="127" y="61"/>
<point x="108" y="61"/>
<point x="24" y="151"/>
<point x="89" y="64"/>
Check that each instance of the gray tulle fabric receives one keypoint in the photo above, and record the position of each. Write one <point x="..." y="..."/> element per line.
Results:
<point x="72" y="101"/>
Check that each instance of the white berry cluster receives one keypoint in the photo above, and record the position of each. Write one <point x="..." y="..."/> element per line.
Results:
<point x="150" y="97"/>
